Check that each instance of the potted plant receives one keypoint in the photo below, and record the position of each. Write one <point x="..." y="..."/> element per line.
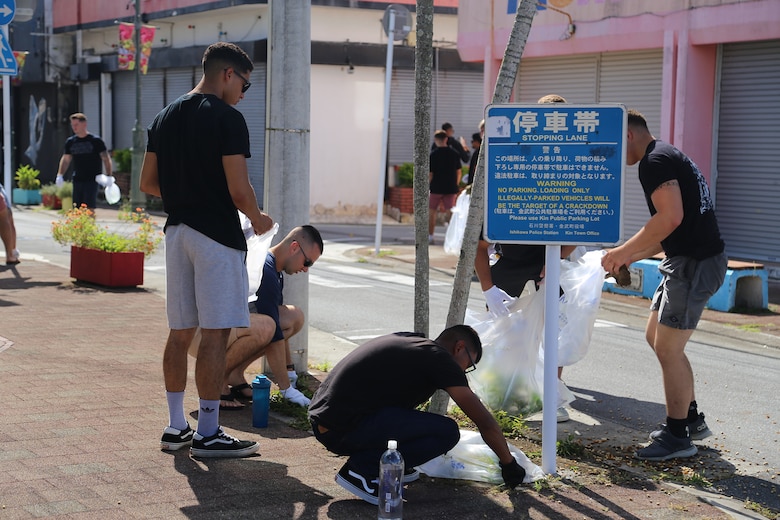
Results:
<point x="401" y="195"/>
<point x="123" y="165"/>
<point x="65" y="194"/>
<point x="27" y="184"/>
<point x="113" y="258"/>
<point x="49" y="197"/>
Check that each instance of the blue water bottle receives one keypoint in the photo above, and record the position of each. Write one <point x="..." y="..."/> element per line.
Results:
<point x="261" y="398"/>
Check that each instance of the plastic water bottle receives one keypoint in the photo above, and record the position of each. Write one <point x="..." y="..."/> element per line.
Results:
<point x="261" y="399"/>
<point x="391" y="483"/>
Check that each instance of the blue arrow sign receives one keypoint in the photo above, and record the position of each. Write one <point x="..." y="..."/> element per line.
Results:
<point x="8" y="66"/>
<point x="7" y="11"/>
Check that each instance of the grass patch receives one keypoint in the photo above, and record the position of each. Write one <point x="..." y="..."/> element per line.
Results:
<point x="771" y="514"/>
<point x="570" y="448"/>
<point x="325" y="366"/>
<point x="298" y="414"/>
<point x="686" y="475"/>
<point x="750" y="327"/>
<point x="511" y="426"/>
<point x="385" y="252"/>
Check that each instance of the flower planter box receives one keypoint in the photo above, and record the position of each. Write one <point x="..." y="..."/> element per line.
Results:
<point x="401" y="197"/>
<point x="26" y="197"/>
<point x="107" y="269"/>
<point x="51" y="201"/>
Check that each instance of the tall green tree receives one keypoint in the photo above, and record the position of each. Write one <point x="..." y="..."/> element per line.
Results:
<point x="468" y="252"/>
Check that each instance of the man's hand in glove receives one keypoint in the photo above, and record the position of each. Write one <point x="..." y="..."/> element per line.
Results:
<point x="495" y="298"/>
<point x="512" y="473"/>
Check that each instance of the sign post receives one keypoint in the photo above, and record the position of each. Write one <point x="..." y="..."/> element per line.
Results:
<point x="7" y="68"/>
<point x="554" y="176"/>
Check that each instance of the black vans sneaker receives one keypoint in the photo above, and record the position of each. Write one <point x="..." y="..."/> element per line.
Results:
<point x="173" y="439"/>
<point x="221" y="445"/>
<point x="357" y="484"/>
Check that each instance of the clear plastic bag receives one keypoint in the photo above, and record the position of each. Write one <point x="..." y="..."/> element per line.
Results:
<point x="257" y="249"/>
<point x="510" y="376"/>
<point x="453" y="239"/>
<point x="472" y="459"/>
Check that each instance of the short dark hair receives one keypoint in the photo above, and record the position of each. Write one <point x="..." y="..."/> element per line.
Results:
<point x="446" y="126"/>
<point x="223" y="54"/>
<point x="636" y="119"/>
<point x="476" y="137"/>
<point x="457" y="333"/>
<point x="440" y="135"/>
<point x="312" y="234"/>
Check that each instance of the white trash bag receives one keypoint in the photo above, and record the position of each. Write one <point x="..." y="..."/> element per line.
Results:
<point x="453" y="239"/>
<point x="472" y="459"/>
<point x="111" y="190"/>
<point x="257" y="249"/>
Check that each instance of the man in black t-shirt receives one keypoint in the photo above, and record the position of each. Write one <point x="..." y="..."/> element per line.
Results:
<point x="371" y="396"/>
<point x="196" y="162"/>
<point x="87" y="151"/>
<point x="683" y="225"/>
<point x="443" y="180"/>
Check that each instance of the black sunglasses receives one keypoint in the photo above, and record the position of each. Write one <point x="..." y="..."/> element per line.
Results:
<point x="246" y="85"/>
<point x="307" y="262"/>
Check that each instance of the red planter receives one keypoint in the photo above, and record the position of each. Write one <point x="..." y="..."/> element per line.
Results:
<point x="401" y="197"/>
<point x="108" y="269"/>
<point x="51" y="201"/>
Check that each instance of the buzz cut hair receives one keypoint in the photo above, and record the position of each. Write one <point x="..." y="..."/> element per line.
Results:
<point x="221" y="55"/>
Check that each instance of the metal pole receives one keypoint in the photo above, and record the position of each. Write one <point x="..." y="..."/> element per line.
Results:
<point x="385" y="130"/>
<point x="7" y="159"/>
<point x="137" y="198"/>
<point x="552" y="276"/>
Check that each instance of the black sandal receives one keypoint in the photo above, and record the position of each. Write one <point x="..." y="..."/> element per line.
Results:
<point x="238" y="392"/>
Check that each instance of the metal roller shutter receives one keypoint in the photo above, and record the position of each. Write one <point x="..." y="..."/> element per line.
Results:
<point x="153" y="97"/>
<point x="123" y="95"/>
<point x="400" y="147"/>
<point x="178" y="82"/>
<point x="90" y="105"/>
<point x="573" y="77"/>
<point x="748" y="155"/>
<point x="634" y="79"/>
<point x="631" y="78"/>
<point x="253" y="109"/>
<point x="457" y="100"/>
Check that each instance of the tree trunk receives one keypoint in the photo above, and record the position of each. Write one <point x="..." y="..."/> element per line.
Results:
<point x="423" y="63"/>
<point x="468" y="252"/>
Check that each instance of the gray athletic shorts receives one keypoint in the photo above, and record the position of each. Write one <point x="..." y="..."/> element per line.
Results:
<point x="686" y="288"/>
<point x="206" y="281"/>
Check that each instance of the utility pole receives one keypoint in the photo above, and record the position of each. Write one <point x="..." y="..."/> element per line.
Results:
<point x="286" y="182"/>
<point x="137" y="198"/>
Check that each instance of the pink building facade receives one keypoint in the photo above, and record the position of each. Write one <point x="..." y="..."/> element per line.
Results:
<point x="706" y="74"/>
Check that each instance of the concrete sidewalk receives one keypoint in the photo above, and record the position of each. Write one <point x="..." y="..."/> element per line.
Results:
<point x="84" y="408"/>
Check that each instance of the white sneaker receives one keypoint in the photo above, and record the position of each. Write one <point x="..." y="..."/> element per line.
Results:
<point x="295" y="396"/>
<point x="561" y="415"/>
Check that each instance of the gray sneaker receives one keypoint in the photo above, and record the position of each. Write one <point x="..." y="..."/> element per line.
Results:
<point x="666" y="446"/>
<point x="698" y="429"/>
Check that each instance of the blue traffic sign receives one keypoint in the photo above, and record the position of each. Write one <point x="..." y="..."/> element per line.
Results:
<point x="7" y="11"/>
<point x="8" y="66"/>
<point x="554" y="173"/>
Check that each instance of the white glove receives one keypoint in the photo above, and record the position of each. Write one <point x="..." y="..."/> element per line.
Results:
<point x="110" y="180"/>
<point x="59" y="180"/>
<point x="495" y="298"/>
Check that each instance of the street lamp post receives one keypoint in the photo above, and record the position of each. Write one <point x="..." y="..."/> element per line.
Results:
<point x="137" y="199"/>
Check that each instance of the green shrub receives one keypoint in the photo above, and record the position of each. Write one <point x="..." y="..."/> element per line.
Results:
<point x="123" y="158"/>
<point x="27" y="177"/>
<point x="406" y="175"/>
